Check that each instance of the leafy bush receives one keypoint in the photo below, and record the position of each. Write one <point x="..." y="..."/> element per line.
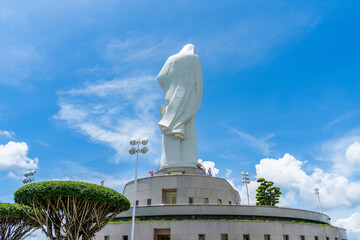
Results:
<point x="15" y="222"/>
<point x="43" y="191"/>
<point x="71" y="210"/>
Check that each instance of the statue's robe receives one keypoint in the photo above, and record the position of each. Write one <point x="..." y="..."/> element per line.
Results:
<point x="182" y="82"/>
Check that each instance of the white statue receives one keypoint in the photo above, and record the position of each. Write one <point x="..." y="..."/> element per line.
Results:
<point x="182" y="82"/>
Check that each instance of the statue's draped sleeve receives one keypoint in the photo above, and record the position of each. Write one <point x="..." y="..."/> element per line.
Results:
<point x="181" y="80"/>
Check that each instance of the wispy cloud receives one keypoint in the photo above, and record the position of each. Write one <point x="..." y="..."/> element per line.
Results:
<point x="136" y="48"/>
<point x="8" y="134"/>
<point x="341" y="118"/>
<point x="261" y="145"/>
<point x="257" y="34"/>
<point x="77" y="172"/>
<point x="111" y="112"/>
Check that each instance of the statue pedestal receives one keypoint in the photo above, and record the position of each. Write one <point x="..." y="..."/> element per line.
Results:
<point x="181" y="170"/>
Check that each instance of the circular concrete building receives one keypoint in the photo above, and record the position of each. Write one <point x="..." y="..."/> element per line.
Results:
<point x="181" y="202"/>
<point x="186" y="204"/>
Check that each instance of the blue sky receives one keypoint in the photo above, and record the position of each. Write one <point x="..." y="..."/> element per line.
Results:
<point x="281" y="93"/>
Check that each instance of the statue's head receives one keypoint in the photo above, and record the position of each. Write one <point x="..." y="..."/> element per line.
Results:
<point x="188" y="49"/>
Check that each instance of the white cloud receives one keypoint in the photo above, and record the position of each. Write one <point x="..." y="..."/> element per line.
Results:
<point x="111" y="112"/>
<point x="287" y="199"/>
<point x="343" y="153"/>
<point x="8" y="134"/>
<point x="13" y="156"/>
<point x="228" y="173"/>
<point x="261" y="145"/>
<point x="351" y="224"/>
<point x="209" y="165"/>
<point x="288" y="174"/>
<point x="353" y="153"/>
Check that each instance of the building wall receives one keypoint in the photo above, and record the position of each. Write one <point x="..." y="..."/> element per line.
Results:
<point x="196" y="186"/>
<point x="189" y="230"/>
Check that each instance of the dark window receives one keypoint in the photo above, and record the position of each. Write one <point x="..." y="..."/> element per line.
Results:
<point x="148" y="202"/>
<point x="229" y="202"/>
<point x="224" y="236"/>
<point x="201" y="236"/>
<point x="219" y="202"/>
<point x="163" y="237"/>
<point x="266" y="237"/>
<point x="303" y="238"/>
<point x="316" y="238"/>
<point x="327" y="238"/>
<point x="191" y="200"/>
<point x="206" y="201"/>
<point x="246" y="237"/>
<point x="137" y="202"/>
<point x="169" y="196"/>
<point x="106" y="237"/>
<point x="125" y="237"/>
<point x="286" y="237"/>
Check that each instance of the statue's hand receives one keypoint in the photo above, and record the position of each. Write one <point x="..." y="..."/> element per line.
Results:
<point x="162" y="109"/>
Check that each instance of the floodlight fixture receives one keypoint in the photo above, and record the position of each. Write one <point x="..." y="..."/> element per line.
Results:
<point x="29" y="173"/>
<point x="144" y="141"/>
<point x="132" y="150"/>
<point x="102" y="182"/>
<point x="28" y="180"/>
<point x="133" y="141"/>
<point x="144" y="150"/>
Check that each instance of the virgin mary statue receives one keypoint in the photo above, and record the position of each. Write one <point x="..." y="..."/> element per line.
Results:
<point x="182" y="82"/>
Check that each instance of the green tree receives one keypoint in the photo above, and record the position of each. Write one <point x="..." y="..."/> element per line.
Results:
<point x="15" y="222"/>
<point x="267" y="194"/>
<point x="71" y="210"/>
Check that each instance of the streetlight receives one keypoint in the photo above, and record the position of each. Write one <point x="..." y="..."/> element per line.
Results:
<point x="27" y="178"/>
<point x="246" y="180"/>
<point x="137" y="150"/>
<point x="318" y="194"/>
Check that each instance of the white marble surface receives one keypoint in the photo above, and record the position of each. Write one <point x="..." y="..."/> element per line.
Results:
<point x="182" y="83"/>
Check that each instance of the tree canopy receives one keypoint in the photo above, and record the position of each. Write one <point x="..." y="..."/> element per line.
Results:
<point x="15" y="222"/>
<point x="266" y="193"/>
<point x="71" y="210"/>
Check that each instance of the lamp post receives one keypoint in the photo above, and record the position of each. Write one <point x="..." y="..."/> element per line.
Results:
<point x="136" y="149"/>
<point x="246" y="180"/>
<point x="27" y="178"/>
<point x="318" y="194"/>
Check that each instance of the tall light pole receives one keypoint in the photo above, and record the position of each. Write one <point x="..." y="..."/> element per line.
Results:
<point x="136" y="149"/>
<point x="318" y="194"/>
<point x="246" y="180"/>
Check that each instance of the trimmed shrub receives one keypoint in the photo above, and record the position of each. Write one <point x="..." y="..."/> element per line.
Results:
<point x="15" y="222"/>
<point x="71" y="210"/>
